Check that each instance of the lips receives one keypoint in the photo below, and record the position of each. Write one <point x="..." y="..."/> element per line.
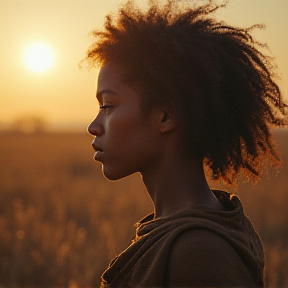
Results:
<point x="96" y="147"/>
<point x="98" y="152"/>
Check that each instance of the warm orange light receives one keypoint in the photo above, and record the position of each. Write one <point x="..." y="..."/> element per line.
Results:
<point x="38" y="57"/>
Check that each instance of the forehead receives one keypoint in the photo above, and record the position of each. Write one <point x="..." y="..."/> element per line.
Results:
<point x="110" y="82"/>
<point x="109" y="78"/>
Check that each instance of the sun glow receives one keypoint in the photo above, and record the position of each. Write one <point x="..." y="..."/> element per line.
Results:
<point x="38" y="57"/>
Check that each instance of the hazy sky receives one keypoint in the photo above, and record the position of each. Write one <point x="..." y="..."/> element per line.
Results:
<point x="65" y="95"/>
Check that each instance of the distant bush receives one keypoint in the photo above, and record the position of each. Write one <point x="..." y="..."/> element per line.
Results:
<point x="29" y="124"/>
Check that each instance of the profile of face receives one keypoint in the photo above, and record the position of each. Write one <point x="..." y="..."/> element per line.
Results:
<point x="126" y="141"/>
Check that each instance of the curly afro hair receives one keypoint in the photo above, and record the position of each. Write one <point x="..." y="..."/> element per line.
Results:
<point x="222" y="87"/>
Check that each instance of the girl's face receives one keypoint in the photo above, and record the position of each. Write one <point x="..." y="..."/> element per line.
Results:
<point x="126" y="141"/>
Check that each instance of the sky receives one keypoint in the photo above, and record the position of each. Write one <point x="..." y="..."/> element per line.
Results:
<point x="64" y="95"/>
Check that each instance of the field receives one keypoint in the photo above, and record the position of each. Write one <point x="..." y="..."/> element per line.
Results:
<point x="61" y="222"/>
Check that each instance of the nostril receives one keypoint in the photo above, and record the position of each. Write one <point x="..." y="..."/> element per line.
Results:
<point x="91" y="130"/>
<point x="95" y="129"/>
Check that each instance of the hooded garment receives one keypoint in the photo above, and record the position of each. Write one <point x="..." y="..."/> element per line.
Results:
<point x="144" y="263"/>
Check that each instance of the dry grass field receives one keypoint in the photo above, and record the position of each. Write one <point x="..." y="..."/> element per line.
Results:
<point x="61" y="221"/>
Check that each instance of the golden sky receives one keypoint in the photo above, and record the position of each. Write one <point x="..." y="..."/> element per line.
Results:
<point x="65" y="95"/>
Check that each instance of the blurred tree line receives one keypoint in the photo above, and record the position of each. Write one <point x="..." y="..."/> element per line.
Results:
<point x="29" y="124"/>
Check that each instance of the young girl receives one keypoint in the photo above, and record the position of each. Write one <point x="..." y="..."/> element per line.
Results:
<point x="178" y="90"/>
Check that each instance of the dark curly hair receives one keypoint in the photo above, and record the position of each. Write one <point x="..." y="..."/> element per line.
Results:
<point x="222" y="86"/>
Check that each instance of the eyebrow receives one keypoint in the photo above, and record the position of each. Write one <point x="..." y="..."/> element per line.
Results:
<point x="105" y="91"/>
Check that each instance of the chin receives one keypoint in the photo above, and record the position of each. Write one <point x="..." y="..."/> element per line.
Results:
<point x="113" y="175"/>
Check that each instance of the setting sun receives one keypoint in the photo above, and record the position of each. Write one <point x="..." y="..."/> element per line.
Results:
<point x="38" y="57"/>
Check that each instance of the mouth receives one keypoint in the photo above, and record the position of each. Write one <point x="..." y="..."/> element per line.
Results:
<point x="98" y="152"/>
<point x="96" y="148"/>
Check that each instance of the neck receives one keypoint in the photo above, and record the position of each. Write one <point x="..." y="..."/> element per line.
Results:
<point x="176" y="184"/>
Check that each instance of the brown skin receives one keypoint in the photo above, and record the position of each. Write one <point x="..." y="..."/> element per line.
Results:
<point x="150" y="145"/>
<point x="130" y="142"/>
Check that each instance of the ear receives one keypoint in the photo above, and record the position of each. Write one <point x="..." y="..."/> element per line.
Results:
<point x="168" y="119"/>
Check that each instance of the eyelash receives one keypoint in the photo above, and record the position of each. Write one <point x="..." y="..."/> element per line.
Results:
<point x="104" y="107"/>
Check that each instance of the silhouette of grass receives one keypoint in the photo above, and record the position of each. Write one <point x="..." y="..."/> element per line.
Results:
<point x="61" y="222"/>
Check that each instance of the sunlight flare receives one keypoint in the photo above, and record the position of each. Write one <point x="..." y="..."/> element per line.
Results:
<point x="38" y="57"/>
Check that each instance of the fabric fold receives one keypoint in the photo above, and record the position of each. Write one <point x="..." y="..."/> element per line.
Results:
<point x="144" y="262"/>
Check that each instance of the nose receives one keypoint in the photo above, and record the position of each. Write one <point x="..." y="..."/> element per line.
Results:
<point x="95" y="127"/>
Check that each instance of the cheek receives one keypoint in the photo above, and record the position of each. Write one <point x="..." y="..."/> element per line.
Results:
<point x="123" y="124"/>
<point x="131" y="145"/>
<point x="125" y="136"/>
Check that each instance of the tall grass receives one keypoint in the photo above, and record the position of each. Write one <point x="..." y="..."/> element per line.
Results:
<point x="61" y="222"/>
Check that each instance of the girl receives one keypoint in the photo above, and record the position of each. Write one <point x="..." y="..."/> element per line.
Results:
<point x="178" y="90"/>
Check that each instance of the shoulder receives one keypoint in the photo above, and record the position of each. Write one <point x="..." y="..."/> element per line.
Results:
<point x="201" y="257"/>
